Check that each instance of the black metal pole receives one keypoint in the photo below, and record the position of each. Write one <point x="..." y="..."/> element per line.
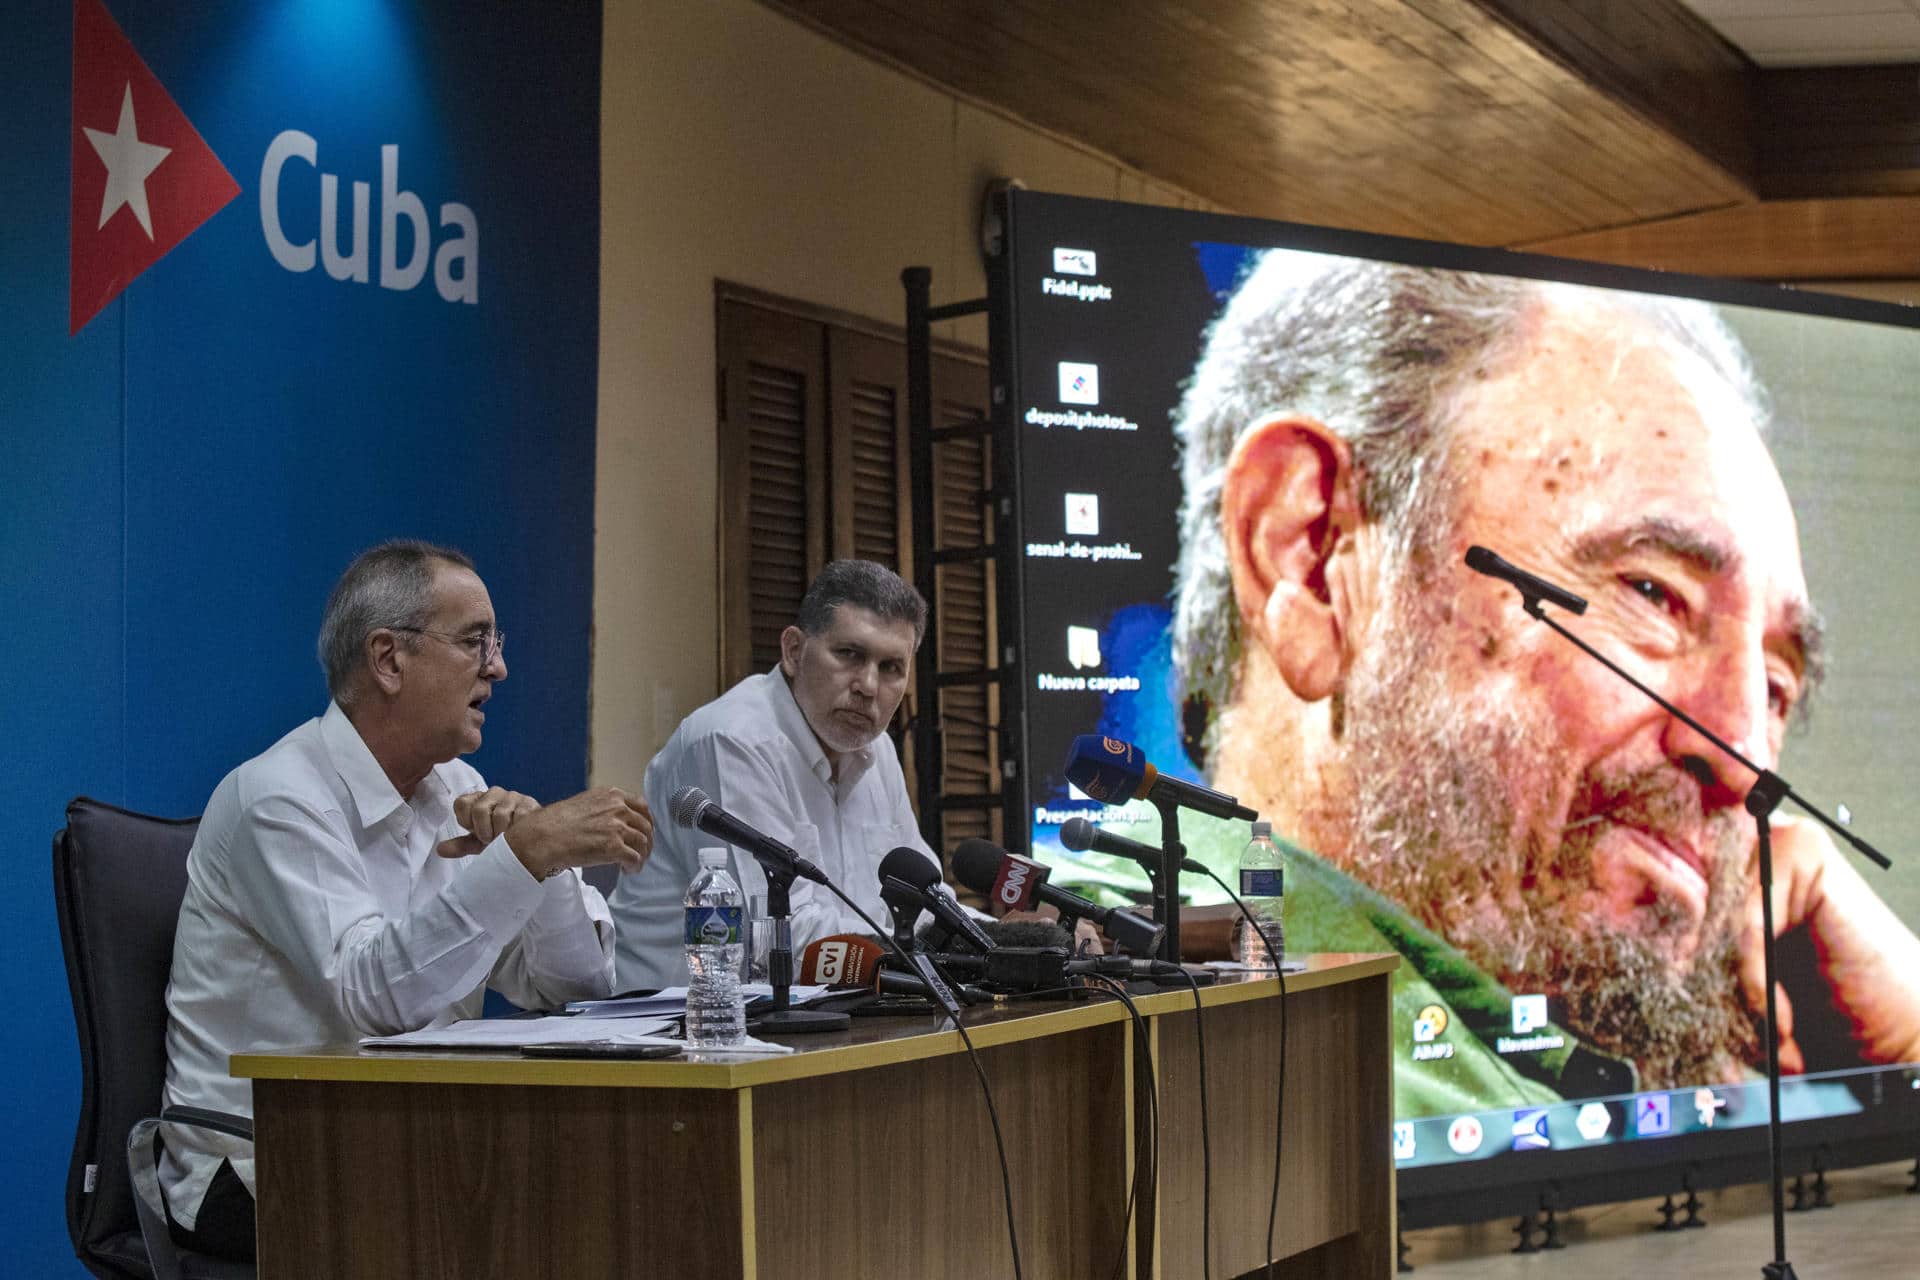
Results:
<point x="928" y="766"/>
<point x="1166" y="903"/>
<point x="1760" y="802"/>
<point x="783" y="1017"/>
<point x="1768" y="789"/>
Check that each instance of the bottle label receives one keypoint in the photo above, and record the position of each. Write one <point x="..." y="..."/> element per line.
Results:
<point x="713" y="926"/>
<point x="1260" y="882"/>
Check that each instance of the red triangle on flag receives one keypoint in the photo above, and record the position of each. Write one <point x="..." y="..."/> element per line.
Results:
<point x="143" y="177"/>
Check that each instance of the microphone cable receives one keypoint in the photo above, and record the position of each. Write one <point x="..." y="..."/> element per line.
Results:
<point x="1206" y="1140"/>
<point x="1148" y="1167"/>
<point x="1280" y="1089"/>
<point x="993" y="1114"/>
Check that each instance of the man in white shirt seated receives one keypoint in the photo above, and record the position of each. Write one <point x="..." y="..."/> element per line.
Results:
<point x="801" y="753"/>
<point x="358" y="879"/>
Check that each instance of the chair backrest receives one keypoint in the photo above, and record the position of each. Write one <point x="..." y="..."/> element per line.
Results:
<point x="118" y="878"/>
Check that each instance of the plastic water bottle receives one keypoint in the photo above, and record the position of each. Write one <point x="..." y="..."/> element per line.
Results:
<point x="1262" y="888"/>
<point x="716" y="1011"/>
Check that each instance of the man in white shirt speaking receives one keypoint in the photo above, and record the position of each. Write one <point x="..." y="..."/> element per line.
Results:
<point x="800" y="753"/>
<point x="358" y="879"/>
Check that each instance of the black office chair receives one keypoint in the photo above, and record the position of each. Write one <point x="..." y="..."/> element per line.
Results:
<point x="118" y="879"/>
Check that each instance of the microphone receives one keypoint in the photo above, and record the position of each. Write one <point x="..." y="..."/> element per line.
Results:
<point x="1018" y="883"/>
<point x="1532" y="589"/>
<point x="692" y="807"/>
<point x="842" y="960"/>
<point x="904" y="903"/>
<point x="856" y="962"/>
<point x="1115" y="771"/>
<point x="1080" y="836"/>
<point x="911" y="867"/>
<point x="1028" y="933"/>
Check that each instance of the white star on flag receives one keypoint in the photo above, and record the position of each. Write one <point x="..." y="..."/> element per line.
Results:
<point x="129" y="161"/>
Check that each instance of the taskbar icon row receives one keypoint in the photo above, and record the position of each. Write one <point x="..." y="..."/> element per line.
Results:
<point x="1597" y="1121"/>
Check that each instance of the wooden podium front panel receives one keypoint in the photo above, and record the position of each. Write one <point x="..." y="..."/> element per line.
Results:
<point x="450" y="1182"/>
<point x="893" y="1171"/>
<point x="1336" y="1182"/>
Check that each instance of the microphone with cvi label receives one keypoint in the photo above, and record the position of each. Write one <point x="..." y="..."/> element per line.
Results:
<point x="856" y="962"/>
<point x="1018" y="883"/>
<point x="1114" y="771"/>
<point x="842" y="960"/>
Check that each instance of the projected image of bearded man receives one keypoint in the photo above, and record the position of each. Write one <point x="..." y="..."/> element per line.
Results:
<point x="1466" y="787"/>
<point x="1644" y="964"/>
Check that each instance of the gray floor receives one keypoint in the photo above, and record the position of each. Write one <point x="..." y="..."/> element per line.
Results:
<point x="1871" y="1233"/>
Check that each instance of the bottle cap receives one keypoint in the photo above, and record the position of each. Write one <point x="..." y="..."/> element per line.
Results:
<point x="1262" y="828"/>
<point x="713" y="857"/>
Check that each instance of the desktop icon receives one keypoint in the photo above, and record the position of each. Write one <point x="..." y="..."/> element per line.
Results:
<point x="1403" y="1139"/>
<point x="1707" y="1104"/>
<point x="1429" y="1023"/>
<point x="1083" y="514"/>
<point x="1593" y="1121"/>
<point x="1529" y="1014"/>
<point x="1079" y="383"/>
<point x="1074" y="262"/>
<point x="1530" y="1130"/>
<point x="1652" y="1115"/>
<point x="1464" y="1135"/>
<point x="1083" y="647"/>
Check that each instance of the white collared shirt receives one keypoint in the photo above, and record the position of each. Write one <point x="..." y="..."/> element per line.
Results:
<point x="752" y="752"/>
<point x="317" y="912"/>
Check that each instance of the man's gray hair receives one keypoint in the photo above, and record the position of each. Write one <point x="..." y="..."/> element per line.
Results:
<point x="390" y="585"/>
<point x="866" y="585"/>
<point x="1376" y="351"/>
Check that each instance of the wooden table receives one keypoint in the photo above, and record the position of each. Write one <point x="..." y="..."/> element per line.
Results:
<point x="866" y="1153"/>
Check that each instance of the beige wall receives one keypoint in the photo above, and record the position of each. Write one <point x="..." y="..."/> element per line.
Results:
<point x="739" y="144"/>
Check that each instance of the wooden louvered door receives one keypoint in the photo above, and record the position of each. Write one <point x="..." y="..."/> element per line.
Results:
<point x="867" y="449"/>
<point x="814" y="466"/>
<point x="773" y="479"/>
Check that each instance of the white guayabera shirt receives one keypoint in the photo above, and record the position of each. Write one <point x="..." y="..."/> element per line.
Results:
<point x="317" y="912"/>
<point x="752" y="752"/>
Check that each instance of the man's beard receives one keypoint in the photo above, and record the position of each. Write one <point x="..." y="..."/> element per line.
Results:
<point x="1434" y="830"/>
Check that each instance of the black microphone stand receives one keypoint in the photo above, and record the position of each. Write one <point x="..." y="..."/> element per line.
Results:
<point x="1768" y="790"/>
<point x="783" y="1017"/>
<point x="1166" y="885"/>
<point x="906" y="904"/>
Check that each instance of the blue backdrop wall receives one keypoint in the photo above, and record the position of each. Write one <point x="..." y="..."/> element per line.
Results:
<point x="183" y="477"/>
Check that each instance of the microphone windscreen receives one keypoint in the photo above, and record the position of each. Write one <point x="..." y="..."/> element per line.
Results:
<point x="909" y="866"/>
<point x="1076" y="834"/>
<point x="976" y="862"/>
<point x="842" y="960"/>
<point x="1481" y="560"/>
<point x="1107" y="769"/>
<point x="687" y="804"/>
<point x="1027" y="933"/>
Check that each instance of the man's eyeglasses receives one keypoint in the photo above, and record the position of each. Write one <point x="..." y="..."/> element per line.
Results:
<point x="484" y="646"/>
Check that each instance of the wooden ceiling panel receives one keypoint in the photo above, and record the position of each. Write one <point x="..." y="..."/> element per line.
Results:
<point x="1792" y="240"/>
<point x="1416" y="117"/>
